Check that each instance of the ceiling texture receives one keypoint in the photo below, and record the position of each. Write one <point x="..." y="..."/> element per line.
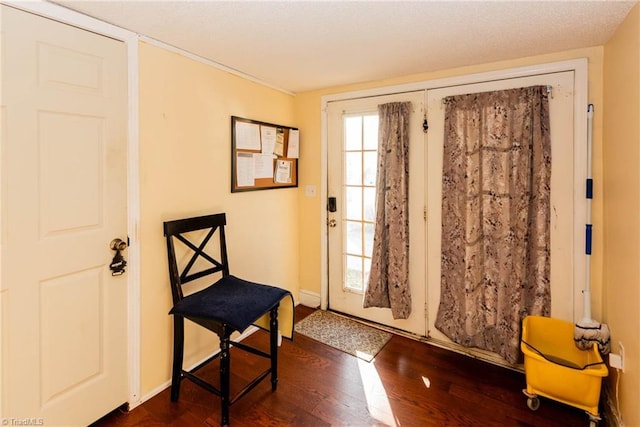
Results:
<point x="298" y="46"/>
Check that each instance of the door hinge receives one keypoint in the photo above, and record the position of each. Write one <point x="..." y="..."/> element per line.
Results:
<point x="426" y="309"/>
<point x="425" y="213"/>
<point x="425" y="125"/>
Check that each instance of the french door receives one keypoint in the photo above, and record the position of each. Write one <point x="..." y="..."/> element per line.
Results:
<point x="352" y="142"/>
<point x="352" y="163"/>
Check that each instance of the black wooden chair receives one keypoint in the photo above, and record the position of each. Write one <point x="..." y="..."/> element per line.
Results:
<point x="227" y="305"/>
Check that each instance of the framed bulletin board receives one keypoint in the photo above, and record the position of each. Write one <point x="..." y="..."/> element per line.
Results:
<point x="263" y="155"/>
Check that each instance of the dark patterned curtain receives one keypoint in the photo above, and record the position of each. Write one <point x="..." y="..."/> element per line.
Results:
<point x="388" y="284"/>
<point x="495" y="217"/>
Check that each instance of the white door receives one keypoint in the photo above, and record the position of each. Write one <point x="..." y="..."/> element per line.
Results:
<point x="64" y="315"/>
<point x="352" y="162"/>
<point x="565" y="301"/>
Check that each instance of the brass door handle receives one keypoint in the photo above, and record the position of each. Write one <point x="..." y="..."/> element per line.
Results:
<point x="118" y="245"/>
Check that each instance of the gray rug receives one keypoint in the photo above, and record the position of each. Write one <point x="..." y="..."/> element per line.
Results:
<point x="344" y="334"/>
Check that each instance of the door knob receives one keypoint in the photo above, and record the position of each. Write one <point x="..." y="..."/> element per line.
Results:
<point x="118" y="245"/>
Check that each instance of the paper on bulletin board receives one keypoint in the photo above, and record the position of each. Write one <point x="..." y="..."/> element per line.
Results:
<point x="247" y="136"/>
<point x="279" y="148"/>
<point x="268" y="139"/>
<point x="293" y="148"/>
<point x="263" y="165"/>
<point x="245" y="170"/>
<point x="283" y="172"/>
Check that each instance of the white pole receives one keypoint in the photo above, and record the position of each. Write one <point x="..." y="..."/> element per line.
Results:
<point x="589" y="194"/>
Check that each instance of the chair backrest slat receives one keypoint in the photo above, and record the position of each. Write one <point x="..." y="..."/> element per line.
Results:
<point x="186" y="278"/>
<point x="181" y="226"/>
<point x="176" y="230"/>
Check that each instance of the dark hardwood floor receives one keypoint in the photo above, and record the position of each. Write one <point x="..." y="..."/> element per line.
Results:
<point x="409" y="383"/>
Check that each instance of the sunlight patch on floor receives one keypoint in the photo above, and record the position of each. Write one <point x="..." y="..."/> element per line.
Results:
<point x="376" y="395"/>
<point x="364" y="355"/>
<point x="426" y="382"/>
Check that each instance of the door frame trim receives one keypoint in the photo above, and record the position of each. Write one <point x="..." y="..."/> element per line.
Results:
<point x="70" y="17"/>
<point x="580" y="68"/>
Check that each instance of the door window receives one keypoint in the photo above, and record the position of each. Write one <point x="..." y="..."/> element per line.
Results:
<point x="359" y="193"/>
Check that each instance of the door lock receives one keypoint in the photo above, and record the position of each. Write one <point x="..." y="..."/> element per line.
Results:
<point x="332" y="223"/>
<point x="331" y="204"/>
<point x="118" y="263"/>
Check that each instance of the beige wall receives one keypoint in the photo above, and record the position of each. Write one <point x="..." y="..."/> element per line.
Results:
<point x="622" y="208"/>
<point x="185" y="110"/>
<point x="308" y="116"/>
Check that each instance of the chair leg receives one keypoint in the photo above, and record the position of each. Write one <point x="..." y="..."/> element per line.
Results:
<point x="178" y="354"/>
<point x="273" y="330"/>
<point x="225" y="367"/>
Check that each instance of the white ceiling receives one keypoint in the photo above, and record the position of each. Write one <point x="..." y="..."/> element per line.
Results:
<point x="303" y="45"/>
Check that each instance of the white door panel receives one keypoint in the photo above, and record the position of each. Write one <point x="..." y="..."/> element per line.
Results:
<point x="345" y="292"/>
<point x="566" y="238"/>
<point x="64" y="315"/>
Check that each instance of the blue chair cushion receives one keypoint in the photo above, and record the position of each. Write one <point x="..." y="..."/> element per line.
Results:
<point x="231" y="300"/>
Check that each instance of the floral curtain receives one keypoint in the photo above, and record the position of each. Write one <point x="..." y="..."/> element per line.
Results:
<point x="388" y="284"/>
<point x="495" y="217"/>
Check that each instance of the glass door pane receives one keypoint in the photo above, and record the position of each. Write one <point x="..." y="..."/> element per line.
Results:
<point x="360" y="158"/>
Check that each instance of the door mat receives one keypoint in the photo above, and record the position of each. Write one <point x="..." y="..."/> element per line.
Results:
<point x="344" y="334"/>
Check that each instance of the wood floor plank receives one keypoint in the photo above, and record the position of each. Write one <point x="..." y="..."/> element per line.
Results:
<point x="409" y="383"/>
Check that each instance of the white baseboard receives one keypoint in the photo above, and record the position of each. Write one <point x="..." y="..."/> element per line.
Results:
<point x="309" y="299"/>
<point x="250" y="330"/>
